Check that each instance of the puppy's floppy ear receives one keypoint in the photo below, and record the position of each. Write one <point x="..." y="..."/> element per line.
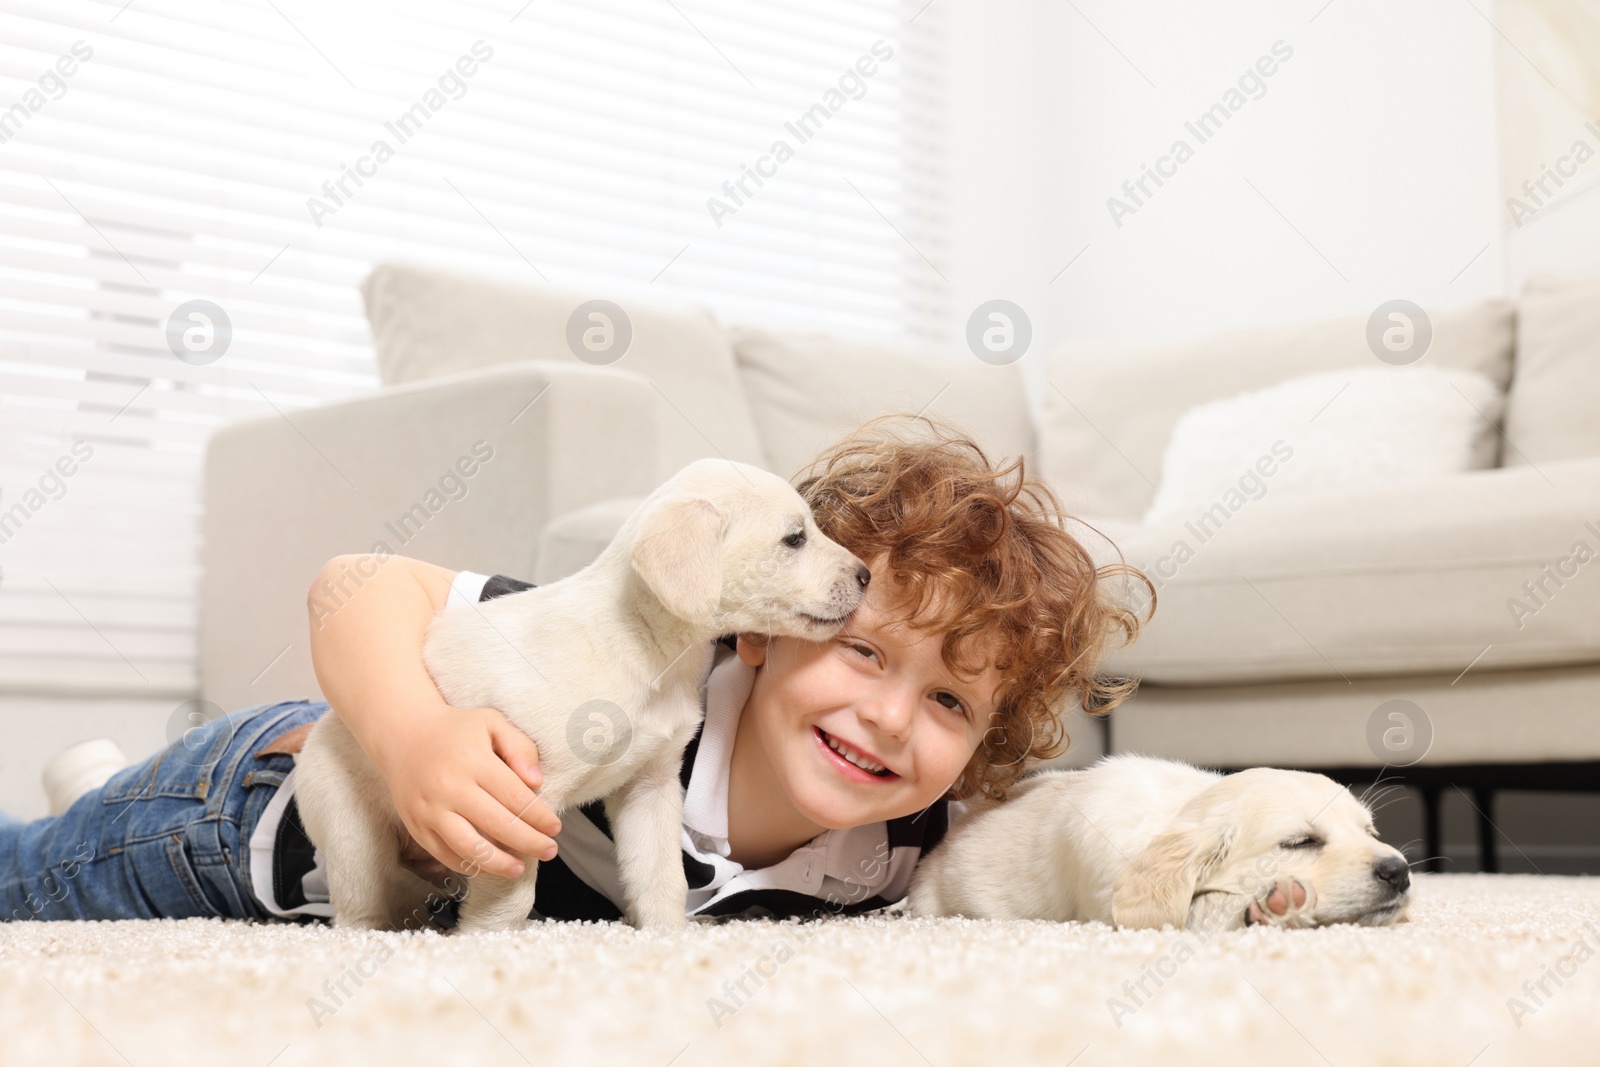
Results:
<point x="1157" y="887"/>
<point x="678" y="553"/>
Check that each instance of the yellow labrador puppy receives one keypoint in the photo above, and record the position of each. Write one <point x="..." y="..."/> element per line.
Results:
<point x="602" y="669"/>
<point x="1144" y="843"/>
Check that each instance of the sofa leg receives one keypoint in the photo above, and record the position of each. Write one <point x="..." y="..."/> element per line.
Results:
<point x="1488" y="851"/>
<point x="1432" y="846"/>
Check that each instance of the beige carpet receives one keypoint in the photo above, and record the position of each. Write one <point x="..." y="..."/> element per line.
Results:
<point x="886" y="990"/>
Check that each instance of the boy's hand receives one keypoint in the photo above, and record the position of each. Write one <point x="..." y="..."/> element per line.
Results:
<point x="454" y="772"/>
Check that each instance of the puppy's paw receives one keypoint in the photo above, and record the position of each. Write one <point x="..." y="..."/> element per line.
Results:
<point x="1289" y="903"/>
<point x="663" y="921"/>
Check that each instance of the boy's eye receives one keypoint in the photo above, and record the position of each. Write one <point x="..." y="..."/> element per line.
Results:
<point x="865" y="650"/>
<point x="955" y="702"/>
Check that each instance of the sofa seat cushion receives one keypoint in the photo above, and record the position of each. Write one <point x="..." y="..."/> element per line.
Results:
<point x="807" y="391"/>
<point x="427" y="323"/>
<point x="1495" y="569"/>
<point x="1108" y="409"/>
<point x="1555" y="392"/>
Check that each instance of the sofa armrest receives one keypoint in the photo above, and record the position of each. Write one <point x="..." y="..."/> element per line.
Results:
<point x="462" y="471"/>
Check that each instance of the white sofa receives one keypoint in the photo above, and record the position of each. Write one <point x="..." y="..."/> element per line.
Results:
<point x="1277" y="642"/>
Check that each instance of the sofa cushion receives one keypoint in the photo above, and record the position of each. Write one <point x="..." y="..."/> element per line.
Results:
<point x="1108" y="409"/>
<point x="427" y="323"/>
<point x="1555" y="391"/>
<point x="807" y="391"/>
<point x="1497" y="569"/>
<point x="1333" y="428"/>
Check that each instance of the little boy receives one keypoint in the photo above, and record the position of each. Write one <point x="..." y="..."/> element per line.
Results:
<point x="821" y="772"/>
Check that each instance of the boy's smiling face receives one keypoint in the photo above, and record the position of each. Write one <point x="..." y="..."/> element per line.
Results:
<point x="878" y="689"/>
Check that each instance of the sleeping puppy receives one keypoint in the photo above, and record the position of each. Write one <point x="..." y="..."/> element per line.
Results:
<point x="1143" y="843"/>
<point x="602" y="669"/>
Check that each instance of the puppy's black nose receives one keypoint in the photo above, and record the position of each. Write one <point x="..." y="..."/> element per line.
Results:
<point x="1395" y="871"/>
<point x="863" y="575"/>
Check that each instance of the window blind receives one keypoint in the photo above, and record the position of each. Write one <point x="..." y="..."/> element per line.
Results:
<point x="190" y="194"/>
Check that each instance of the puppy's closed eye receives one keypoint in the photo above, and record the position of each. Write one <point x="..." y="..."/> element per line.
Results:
<point x="1302" y="841"/>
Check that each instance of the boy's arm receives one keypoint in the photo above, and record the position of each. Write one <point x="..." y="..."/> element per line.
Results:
<point x="452" y="772"/>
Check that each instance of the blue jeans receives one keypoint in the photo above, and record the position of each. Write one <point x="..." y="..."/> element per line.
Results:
<point x="165" y="838"/>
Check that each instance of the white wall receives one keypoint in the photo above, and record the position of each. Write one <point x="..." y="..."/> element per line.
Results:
<point x="36" y="727"/>
<point x="1376" y="141"/>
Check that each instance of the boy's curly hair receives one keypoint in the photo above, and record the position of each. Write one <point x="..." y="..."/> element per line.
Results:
<point x="980" y="553"/>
